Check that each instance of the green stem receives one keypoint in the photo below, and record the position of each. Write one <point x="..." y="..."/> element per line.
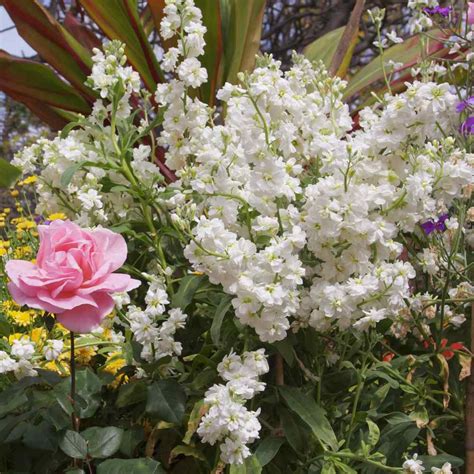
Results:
<point x="355" y="457"/>
<point x="74" y="417"/>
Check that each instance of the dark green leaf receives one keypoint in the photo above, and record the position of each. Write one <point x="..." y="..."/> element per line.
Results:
<point x="312" y="414"/>
<point x="130" y="466"/>
<point x="8" y="174"/>
<point x="188" y="286"/>
<point x="286" y="350"/>
<point x="130" y="440"/>
<point x="221" y="311"/>
<point x="103" y="442"/>
<point x="268" y="449"/>
<point x="12" y="404"/>
<point x="439" y="460"/>
<point x="74" y="445"/>
<point x="293" y="432"/>
<point x="131" y="393"/>
<point x="41" y="436"/>
<point x="166" y="399"/>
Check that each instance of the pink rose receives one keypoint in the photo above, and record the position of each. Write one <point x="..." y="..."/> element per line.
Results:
<point x="73" y="275"/>
<point x="470" y="13"/>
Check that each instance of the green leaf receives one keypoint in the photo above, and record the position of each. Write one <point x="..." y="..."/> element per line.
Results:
<point x="188" y="286"/>
<point x="396" y="437"/>
<point x="251" y="465"/>
<point x="268" y="449"/>
<point x="41" y="436"/>
<point x="324" y="48"/>
<point x="408" y="53"/>
<point x="52" y="41"/>
<point x="130" y="466"/>
<point x="130" y="440"/>
<point x="88" y="388"/>
<point x="312" y="414"/>
<point x="343" y="54"/>
<point x="74" y="445"/>
<point x="212" y="59"/>
<point x="199" y="409"/>
<point x="286" y="350"/>
<point x="293" y="432"/>
<point x="119" y="19"/>
<point x="103" y="442"/>
<point x="167" y="400"/>
<point x="12" y="403"/>
<point x="219" y="315"/>
<point x="131" y="393"/>
<point x="8" y="174"/>
<point x="68" y="174"/>
<point x="439" y="460"/>
<point x="47" y="91"/>
<point x="374" y="433"/>
<point x="242" y="29"/>
<point x="188" y="451"/>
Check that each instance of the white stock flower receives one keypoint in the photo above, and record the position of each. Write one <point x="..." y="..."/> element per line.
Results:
<point x="52" y="349"/>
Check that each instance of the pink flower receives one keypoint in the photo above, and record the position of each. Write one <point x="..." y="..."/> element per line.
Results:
<point x="73" y="275"/>
<point x="470" y="13"/>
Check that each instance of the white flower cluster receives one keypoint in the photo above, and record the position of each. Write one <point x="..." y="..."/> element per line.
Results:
<point x="148" y="327"/>
<point x="415" y="466"/>
<point x="183" y="114"/>
<point x="296" y="215"/>
<point x="109" y="70"/>
<point x="20" y="358"/>
<point x="284" y="180"/>
<point x="228" y="421"/>
<point x="79" y="174"/>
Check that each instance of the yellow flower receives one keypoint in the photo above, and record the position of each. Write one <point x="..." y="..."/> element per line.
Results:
<point x="16" y="337"/>
<point x="25" y="224"/>
<point x="7" y="210"/>
<point x="84" y="355"/>
<point x="4" y="244"/>
<point x="23" y="252"/>
<point x="22" y="318"/>
<point x="29" y="180"/>
<point x="14" y="192"/>
<point x="38" y="335"/>
<point x="113" y="364"/>
<point x="8" y="305"/>
<point x="3" y="252"/>
<point x="55" y="366"/>
<point x="57" y="216"/>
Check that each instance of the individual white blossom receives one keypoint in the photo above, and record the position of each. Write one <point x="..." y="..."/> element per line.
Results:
<point x="444" y="469"/>
<point x="53" y="349"/>
<point x="7" y="364"/>
<point x="23" y="349"/>
<point x="413" y="465"/>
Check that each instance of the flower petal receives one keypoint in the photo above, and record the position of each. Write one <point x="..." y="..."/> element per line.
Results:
<point x="85" y="318"/>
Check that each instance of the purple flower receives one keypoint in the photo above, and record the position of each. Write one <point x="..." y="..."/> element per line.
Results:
<point x="439" y="225"/>
<point x="463" y="105"/>
<point x="442" y="11"/>
<point x="467" y="127"/>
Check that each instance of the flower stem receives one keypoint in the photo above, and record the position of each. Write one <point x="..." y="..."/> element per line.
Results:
<point x="74" y="417"/>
